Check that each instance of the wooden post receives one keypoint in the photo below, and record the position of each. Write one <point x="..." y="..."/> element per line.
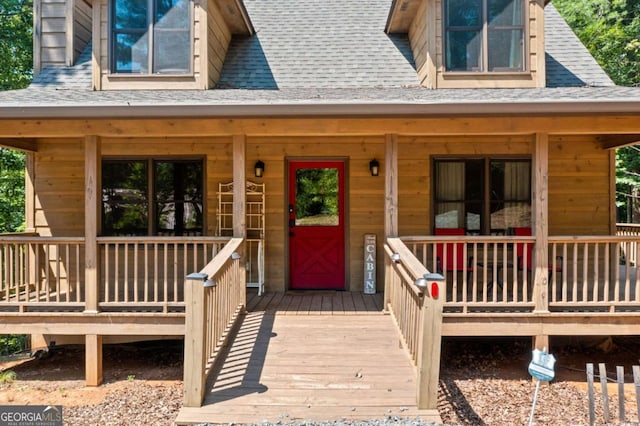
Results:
<point x="605" y="394"/>
<point x="194" y="340"/>
<point x="93" y="359"/>
<point x="96" y="44"/>
<point x="590" y="393"/>
<point x="430" y="345"/>
<point x="29" y="192"/>
<point x="620" y="380"/>
<point x="91" y="200"/>
<point x="240" y="204"/>
<point x="390" y="202"/>
<point x="540" y="208"/>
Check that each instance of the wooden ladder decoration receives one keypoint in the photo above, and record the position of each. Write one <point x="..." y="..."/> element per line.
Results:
<point x="602" y="375"/>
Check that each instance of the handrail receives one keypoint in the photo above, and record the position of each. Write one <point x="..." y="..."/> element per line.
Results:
<point x="214" y="299"/>
<point x="418" y="314"/>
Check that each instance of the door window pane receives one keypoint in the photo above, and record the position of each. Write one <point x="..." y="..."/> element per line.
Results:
<point x="178" y="196"/>
<point x="317" y="197"/>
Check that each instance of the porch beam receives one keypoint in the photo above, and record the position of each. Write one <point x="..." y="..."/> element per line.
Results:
<point x="540" y="208"/>
<point x="92" y="151"/>
<point x="288" y="126"/>
<point x="26" y="144"/>
<point x="618" y="141"/>
<point x="391" y="186"/>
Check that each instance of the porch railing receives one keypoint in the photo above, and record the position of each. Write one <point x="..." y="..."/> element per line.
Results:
<point x="148" y="272"/>
<point x="41" y="272"/>
<point x="481" y="271"/>
<point x="417" y="312"/>
<point x="215" y="298"/>
<point x="598" y="273"/>
<point x="629" y="230"/>
<point x="585" y="273"/>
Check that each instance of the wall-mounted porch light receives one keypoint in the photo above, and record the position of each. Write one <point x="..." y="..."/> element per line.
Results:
<point x="374" y="167"/>
<point x="259" y="168"/>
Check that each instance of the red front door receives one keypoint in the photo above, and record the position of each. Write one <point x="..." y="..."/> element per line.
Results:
<point x="316" y="225"/>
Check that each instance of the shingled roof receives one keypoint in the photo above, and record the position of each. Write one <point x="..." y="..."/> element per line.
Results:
<point x="325" y="53"/>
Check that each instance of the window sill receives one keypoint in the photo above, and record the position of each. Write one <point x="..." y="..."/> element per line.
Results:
<point x="151" y="82"/>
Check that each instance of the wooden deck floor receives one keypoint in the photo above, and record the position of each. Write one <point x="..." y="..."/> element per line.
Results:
<point x="285" y="367"/>
<point x="315" y="302"/>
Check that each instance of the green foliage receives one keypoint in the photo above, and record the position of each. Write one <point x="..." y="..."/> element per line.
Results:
<point x="11" y="190"/>
<point x="316" y="192"/>
<point x="611" y="31"/>
<point x="16" y="45"/>
<point x="11" y="344"/>
<point x="7" y="376"/>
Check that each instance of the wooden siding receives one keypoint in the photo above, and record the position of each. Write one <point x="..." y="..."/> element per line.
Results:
<point x="535" y="77"/>
<point x="81" y="27"/>
<point x="579" y="190"/>
<point x="59" y="188"/>
<point x="108" y="81"/>
<point x="218" y="39"/>
<point x="50" y="20"/>
<point x="365" y="200"/>
<point x="418" y="40"/>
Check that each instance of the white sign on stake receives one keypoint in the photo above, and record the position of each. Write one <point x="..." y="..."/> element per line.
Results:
<point x="540" y="368"/>
<point x="370" y="264"/>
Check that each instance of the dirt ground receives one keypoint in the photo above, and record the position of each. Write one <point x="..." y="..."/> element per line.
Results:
<point x="483" y="382"/>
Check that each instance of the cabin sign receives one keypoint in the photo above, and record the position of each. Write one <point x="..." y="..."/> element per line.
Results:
<point x="370" y="264"/>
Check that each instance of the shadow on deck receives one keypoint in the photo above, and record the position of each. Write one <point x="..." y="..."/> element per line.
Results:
<point x="286" y="364"/>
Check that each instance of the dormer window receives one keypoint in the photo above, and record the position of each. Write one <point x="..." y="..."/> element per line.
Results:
<point x="484" y="35"/>
<point x="151" y="36"/>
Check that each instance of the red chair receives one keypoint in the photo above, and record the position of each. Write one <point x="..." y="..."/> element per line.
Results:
<point x="453" y="259"/>
<point x="524" y="253"/>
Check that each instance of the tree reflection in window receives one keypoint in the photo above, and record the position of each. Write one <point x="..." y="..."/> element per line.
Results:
<point x="317" y="197"/>
<point x="176" y="191"/>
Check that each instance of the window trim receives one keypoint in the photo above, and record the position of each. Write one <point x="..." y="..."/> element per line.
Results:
<point x="189" y="74"/>
<point x="526" y="69"/>
<point x="152" y="230"/>
<point x="485" y="221"/>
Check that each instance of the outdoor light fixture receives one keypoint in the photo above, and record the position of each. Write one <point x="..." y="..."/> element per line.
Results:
<point x="235" y="255"/>
<point x="259" y="167"/>
<point x="374" y="167"/>
<point x="395" y="257"/>
<point x="209" y="283"/>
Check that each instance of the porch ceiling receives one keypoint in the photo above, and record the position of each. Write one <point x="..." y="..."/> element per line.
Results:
<point x="26" y="144"/>
<point x="619" y="141"/>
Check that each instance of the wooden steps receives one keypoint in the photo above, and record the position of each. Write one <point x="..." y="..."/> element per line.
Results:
<point x="311" y="367"/>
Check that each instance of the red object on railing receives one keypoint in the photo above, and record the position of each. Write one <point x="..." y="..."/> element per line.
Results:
<point x="435" y="290"/>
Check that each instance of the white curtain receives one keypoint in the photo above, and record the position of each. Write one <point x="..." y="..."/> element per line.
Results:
<point x="450" y="187"/>
<point x="517" y="186"/>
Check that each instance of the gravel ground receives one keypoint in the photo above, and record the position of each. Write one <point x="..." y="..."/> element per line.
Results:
<point x="483" y="383"/>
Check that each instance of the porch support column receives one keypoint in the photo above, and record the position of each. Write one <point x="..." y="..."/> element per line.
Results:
<point x="29" y="192"/>
<point x="93" y="359"/>
<point x="540" y="201"/>
<point x="91" y="200"/>
<point x="390" y="204"/>
<point x="239" y="201"/>
<point x="391" y="186"/>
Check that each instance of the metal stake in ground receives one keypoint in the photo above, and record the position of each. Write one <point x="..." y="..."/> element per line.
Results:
<point x="541" y="369"/>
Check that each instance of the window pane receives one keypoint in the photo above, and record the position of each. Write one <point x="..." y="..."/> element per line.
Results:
<point x="473" y="215"/>
<point x="449" y="215"/>
<point x="172" y="51"/>
<point x="317" y="197"/>
<point x="506" y="50"/>
<point x="450" y="181"/>
<point x="474" y="180"/>
<point x="464" y="13"/>
<point x="130" y="14"/>
<point x="178" y="195"/>
<point x="505" y="215"/>
<point x="131" y="53"/>
<point x="124" y="198"/>
<point x="172" y="14"/>
<point x="504" y="12"/>
<point x="463" y="50"/>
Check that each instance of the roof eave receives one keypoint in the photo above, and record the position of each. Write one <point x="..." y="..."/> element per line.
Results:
<point x="348" y="109"/>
